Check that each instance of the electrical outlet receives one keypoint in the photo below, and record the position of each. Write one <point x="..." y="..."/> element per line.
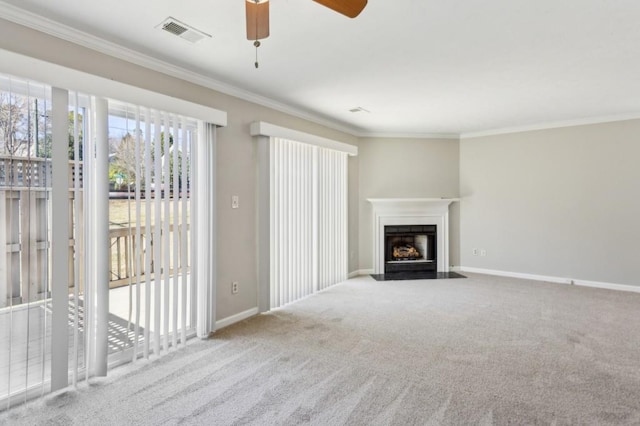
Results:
<point x="234" y="287"/>
<point x="235" y="202"/>
<point x="475" y="252"/>
<point x="483" y="252"/>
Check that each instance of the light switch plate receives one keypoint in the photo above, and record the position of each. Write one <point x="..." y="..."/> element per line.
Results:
<point x="235" y="202"/>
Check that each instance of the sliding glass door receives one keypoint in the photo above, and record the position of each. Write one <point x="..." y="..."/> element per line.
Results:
<point x="96" y="245"/>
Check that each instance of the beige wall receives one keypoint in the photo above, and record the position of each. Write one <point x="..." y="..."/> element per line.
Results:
<point x="236" y="171"/>
<point x="559" y="202"/>
<point x="354" y="225"/>
<point x="406" y="168"/>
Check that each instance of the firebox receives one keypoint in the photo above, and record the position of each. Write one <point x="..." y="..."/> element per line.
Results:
<point x="410" y="248"/>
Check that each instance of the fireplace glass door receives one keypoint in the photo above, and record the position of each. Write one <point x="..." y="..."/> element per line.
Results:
<point x="410" y="248"/>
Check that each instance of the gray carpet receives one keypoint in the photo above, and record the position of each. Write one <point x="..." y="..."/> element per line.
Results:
<point x="483" y="350"/>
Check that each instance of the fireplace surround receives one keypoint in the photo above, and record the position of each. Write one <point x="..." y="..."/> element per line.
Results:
<point x="411" y="212"/>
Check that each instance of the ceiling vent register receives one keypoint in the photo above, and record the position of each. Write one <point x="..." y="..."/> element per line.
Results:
<point x="182" y="30"/>
<point x="358" y="109"/>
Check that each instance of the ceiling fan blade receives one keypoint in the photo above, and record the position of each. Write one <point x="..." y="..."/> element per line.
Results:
<point x="257" y="19"/>
<point x="350" y="8"/>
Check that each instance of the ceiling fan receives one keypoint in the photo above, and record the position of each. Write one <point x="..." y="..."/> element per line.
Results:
<point x="257" y="12"/>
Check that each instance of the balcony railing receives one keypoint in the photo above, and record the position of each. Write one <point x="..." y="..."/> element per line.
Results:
<point x="34" y="172"/>
<point x="125" y="242"/>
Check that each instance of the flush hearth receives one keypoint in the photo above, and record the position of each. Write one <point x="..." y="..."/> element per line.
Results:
<point x="410" y="248"/>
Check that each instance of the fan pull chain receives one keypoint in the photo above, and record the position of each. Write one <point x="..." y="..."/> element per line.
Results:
<point x="256" y="44"/>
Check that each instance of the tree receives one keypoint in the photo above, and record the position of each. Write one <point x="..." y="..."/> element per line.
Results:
<point x="45" y="142"/>
<point x="124" y="162"/>
<point x="13" y="127"/>
<point x="80" y="119"/>
<point x="170" y="155"/>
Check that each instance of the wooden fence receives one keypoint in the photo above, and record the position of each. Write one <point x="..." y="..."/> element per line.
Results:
<point x="24" y="242"/>
<point x="25" y="225"/>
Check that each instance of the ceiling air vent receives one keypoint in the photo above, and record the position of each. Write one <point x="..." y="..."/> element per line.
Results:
<point x="358" y="109"/>
<point x="182" y="30"/>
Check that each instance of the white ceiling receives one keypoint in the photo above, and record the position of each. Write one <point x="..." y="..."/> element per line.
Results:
<point x="419" y="66"/>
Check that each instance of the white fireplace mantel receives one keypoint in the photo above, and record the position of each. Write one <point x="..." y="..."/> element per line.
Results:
<point x="411" y="211"/>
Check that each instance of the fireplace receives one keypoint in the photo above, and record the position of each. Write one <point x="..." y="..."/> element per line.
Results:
<point x="410" y="248"/>
<point x="400" y="212"/>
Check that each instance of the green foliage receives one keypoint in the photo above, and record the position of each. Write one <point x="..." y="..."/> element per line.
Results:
<point x="80" y="119"/>
<point x="124" y="163"/>
<point x="45" y="140"/>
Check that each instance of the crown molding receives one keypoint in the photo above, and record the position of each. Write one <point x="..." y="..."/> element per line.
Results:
<point x="453" y="136"/>
<point x="84" y="39"/>
<point x="551" y="125"/>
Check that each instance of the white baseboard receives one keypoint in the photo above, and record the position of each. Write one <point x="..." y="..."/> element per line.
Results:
<point x="225" y="322"/>
<point x="551" y="279"/>
<point x="524" y="276"/>
<point x="360" y="272"/>
<point x="609" y="286"/>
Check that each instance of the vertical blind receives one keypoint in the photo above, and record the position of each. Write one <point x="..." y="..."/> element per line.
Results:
<point x="332" y="217"/>
<point x="82" y="250"/>
<point x="150" y="258"/>
<point x="25" y="229"/>
<point x="308" y="230"/>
